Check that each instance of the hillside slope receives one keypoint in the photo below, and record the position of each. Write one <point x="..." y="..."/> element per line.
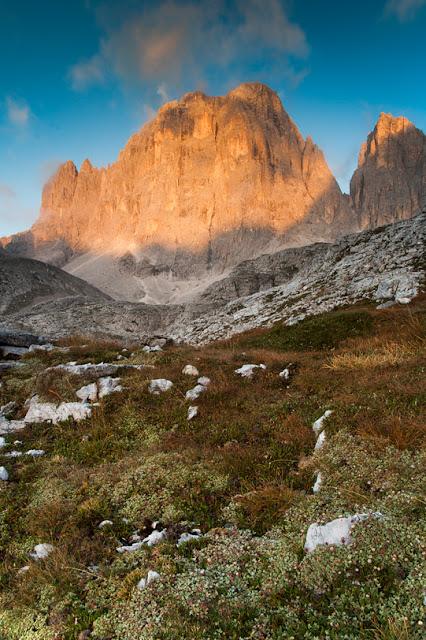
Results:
<point x="24" y="283"/>
<point x="385" y="265"/>
<point x="136" y="523"/>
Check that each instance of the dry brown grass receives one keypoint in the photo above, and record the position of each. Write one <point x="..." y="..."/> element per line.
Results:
<point x="372" y="354"/>
<point x="262" y="508"/>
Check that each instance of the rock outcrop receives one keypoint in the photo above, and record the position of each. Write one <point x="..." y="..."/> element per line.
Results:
<point x="390" y="181"/>
<point x="210" y="181"/>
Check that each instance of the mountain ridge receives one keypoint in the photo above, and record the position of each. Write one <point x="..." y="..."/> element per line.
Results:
<point x="211" y="182"/>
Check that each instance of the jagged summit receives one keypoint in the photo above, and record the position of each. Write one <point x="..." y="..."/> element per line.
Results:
<point x="211" y="181"/>
<point x="208" y="182"/>
<point x="390" y="181"/>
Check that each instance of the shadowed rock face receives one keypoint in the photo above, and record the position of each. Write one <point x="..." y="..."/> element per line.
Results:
<point x="205" y="184"/>
<point x="25" y="282"/>
<point x="385" y="265"/>
<point x="390" y="181"/>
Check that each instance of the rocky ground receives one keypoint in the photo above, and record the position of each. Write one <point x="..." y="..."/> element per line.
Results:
<point x="267" y="486"/>
<point x="386" y="266"/>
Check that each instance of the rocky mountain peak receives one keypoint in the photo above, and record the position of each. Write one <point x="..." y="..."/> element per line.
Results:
<point x="390" y="181"/>
<point x="211" y="180"/>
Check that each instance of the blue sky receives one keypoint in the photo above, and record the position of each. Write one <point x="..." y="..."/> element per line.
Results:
<point x="78" y="78"/>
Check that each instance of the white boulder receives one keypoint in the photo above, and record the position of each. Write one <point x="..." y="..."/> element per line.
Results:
<point x="247" y="370"/>
<point x="318" y="425"/>
<point x="160" y="386"/>
<point x="152" y="576"/>
<point x="337" y="532"/>
<point x="49" y="412"/>
<point x="318" y="482"/>
<point x="109" y="385"/>
<point x="88" y="393"/>
<point x="4" y="475"/>
<point x="320" y="441"/>
<point x="190" y="370"/>
<point x="192" y="411"/>
<point x="187" y="536"/>
<point x="195" y="393"/>
<point x="42" y="551"/>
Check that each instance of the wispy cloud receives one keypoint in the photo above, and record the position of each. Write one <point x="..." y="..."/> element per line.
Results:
<point x="6" y="192"/>
<point x="162" y="92"/>
<point x="404" y="10"/>
<point x="171" y="44"/>
<point x="18" y="113"/>
<point x="87" y="73"/>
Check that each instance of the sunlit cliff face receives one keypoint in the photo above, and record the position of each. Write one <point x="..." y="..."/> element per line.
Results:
<point x="390" y="181"/>
<point x="202" y="169"/>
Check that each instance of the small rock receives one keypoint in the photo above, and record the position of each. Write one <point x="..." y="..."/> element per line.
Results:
<point x="105" y="523"/>
<point x="247" y="370"/>
<point x="13" y="454"/>
<point x="320" y="441"/>
<point x="151" y="577"/>
<point x="88" y="392"/>
<point x="4" y="474"/>
<point x="318" y="425"/>
<point x="190" y="370"/>
<point x="318" y="482"/>
<point x="337" y="532"/>
<point x="204" y="380"/>
<point x="195" y="393"/>
<point x="159" y="386"/>
<point x="23" y="569"/>
<point x="192" y="412"/>
<point x="186" y="537"/>
<point x="42" y="551"/>
<point x="36" y="453"/>
<point x="109" y="385"/>
<point x="153" y="349"/>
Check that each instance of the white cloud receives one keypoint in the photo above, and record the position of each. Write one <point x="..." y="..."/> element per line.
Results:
<point x="18" y="114"/>
<point x="404" y="10"/>
<point x="87" y="73"/>
<point x="162" y="92"/>
<point x="177" y="44"/>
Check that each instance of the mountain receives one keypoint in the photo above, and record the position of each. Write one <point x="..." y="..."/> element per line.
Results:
<point x="210" y="181"/>
<point x="390" y="181"/>
<point x="25" y="283"/>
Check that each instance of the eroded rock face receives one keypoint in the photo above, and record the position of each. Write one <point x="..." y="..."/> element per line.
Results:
<point x="390" y="181"/>
<point x="208" y="182"/>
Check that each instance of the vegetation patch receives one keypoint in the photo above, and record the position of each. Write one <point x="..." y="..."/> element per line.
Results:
<point x="241" y="472"/>
<point x="325" y="331"/>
